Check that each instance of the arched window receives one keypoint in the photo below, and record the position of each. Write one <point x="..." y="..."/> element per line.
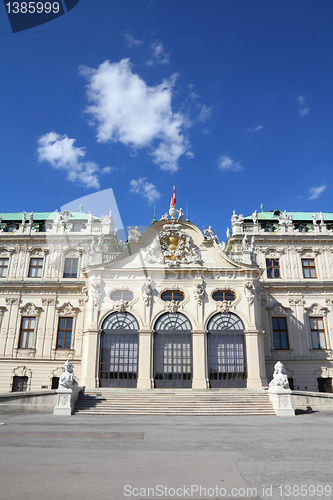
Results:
<point x="226" y="351"/>
<point x="120" y="321"/>
<point x="119" y="351"/>
<point x="173" y="351"/>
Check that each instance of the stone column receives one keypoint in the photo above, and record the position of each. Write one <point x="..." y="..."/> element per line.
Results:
<point x="90" y="358"/>
<point x="255" y="358"/>
<point x="199" y="343"/>
<point x="145" y="368"/>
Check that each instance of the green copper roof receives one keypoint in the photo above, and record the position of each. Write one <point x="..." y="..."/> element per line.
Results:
<point x="41" y="216"/>
<point x="297" y="216"/>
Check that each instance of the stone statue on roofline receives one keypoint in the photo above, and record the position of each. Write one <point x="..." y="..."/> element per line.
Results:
<point x="24" y="218"/>
<point x="210" y="234"/>
<point x="180" y="214"/>
<point x="314" y="219"/>
<point x="255" y="217"/>
<point x="100" y="243"/>
<point x="90" y="219"/>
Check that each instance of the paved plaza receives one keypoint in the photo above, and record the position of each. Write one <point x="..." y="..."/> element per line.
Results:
<point x="47" y="457"/>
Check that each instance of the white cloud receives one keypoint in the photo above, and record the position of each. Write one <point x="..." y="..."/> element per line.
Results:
<point x="131" y="41"/>
<point x="254" y="129"/>
<point x="315" y="192"/>
<point x="226" y="163"/>
<point x="302" y="109"/>
<point x="158" y="56"/>
<point x="144" y="188"/>
<point x="60" y="152"/>
<point x="107" y="170"/>
<point x="126" y="110"/>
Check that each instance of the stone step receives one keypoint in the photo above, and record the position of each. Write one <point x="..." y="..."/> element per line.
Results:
<point x="173" y="402"/>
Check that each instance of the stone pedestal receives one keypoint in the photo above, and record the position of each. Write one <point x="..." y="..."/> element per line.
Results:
<point x="281" y="401"/>
<point x="66" y="399"/>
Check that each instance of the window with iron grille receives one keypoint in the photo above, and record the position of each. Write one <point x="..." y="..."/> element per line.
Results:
<point x="70" y="269"/>
<point x="27" y="332"/>
<point x="280" y="333"/>
<point x="64" y="333"/>
<point x="309" y="268"/>
<point x="273" y="268"/>
<point x="3" y="267"/>
<point x="318" y="333"/>
<point x="35" y="268"/>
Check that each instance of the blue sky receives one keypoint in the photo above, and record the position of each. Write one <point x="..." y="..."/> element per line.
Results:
<point x="229" y="100"/>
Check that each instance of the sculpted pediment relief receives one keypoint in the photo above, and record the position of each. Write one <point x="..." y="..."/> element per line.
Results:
<point x="278" y="309"/>
<point x="173" y="246"/>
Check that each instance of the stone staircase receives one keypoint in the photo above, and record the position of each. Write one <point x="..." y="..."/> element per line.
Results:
<point x="179" y="402"/>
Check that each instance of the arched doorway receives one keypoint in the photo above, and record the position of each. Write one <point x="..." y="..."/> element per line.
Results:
<point x="173" y="351"/>
<point x="226" y="351"/>
<point x="119" y="351"/>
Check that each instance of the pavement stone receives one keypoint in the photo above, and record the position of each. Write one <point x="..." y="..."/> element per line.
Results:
<point x="81" y="457"/>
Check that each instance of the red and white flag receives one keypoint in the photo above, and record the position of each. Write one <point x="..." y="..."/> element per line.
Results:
<point x="173" y="198"/>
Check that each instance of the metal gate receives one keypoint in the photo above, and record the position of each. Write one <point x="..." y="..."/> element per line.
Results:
<point x="226" y="351"/>
<point x="173" y="352"/>
<point x="119" y="351"/>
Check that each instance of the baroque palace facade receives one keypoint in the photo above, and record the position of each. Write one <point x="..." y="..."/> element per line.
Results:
<point x="172" y="307"/>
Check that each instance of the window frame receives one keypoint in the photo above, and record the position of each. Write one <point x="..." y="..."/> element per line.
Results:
<point x="308" y="267"/>
<point x="278" y="331"/>
<point x="4" y="267"/>
<point x="317" y="331"/>
<point x="71" y="267"/>
<point x="24" y="333"/>
<point x="224" y="292"/>
<point x="65" y="330"/>
<point x="163" y="294"/>
<point x="21" y="382"/>
<point x="35" y="267"/>
<point x="273" y="267"/>
<point x="122" y="292"/>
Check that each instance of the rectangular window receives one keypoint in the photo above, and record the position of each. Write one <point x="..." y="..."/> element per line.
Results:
<point x="3" y="267"/>
<point x="35" y="268"/>
<point x="318" y="333"/>
<point x="27" y="333"/>
<point x="280" y="333"/>
<point x="309" y="268"/>
<point x="273" y="268"/>
<point x="64" y="333"/>
<point x="70" y="270"/>
<point x="20" y="384"/>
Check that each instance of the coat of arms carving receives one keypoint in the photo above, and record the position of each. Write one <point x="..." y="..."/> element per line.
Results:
<point x="174" y="246"/>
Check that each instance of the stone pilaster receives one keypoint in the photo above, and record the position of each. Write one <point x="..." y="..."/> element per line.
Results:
<point x="145" y="369"/>
<point x="199" y="342"/>
<point x="255" y="355"/>
<point x="90" y="357"/>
